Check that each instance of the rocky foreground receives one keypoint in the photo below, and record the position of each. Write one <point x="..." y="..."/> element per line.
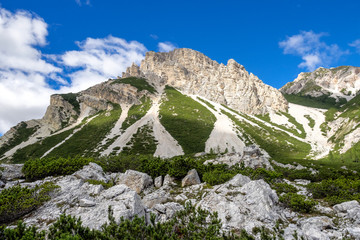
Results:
<point x="241" y="203"/>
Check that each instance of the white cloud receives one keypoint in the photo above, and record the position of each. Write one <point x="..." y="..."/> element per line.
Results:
<point x="80" y="2"/>
<point x="312" y="50"/>
<point x="100" y="59"/>
<point x="24" y="70"/>
<point x="166" y="46"/>
<point x="356" y="44"/>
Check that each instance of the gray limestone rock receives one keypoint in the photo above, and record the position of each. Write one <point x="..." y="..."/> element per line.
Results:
<point x="135" y="180"/>
<point x="91" y="172"/>
<point x="11" y="171"/>
<point x="346" y="206"/>
<point x="192" y="178"/>
<point x="86" y="203"/>
<point x="157" y="197"/>
<point x="158" y="181"/>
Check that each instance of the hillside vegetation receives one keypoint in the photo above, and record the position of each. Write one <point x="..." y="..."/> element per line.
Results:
<point x="140" y="83"/>
<point x="189" y="122"/>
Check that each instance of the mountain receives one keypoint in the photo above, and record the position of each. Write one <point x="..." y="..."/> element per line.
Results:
<point x="331" y="87"/>
<point x="175" y="103"/>
<point x="336" y="91"/>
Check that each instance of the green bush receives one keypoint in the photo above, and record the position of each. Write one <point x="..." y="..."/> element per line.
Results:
<point x="217" y="176"/>
<point x="336" y="190"/>
<point x="284" y="188"/>
<point x="18" y="201"/>
<point x="297" y="202"/>
<point x="43" y="167"/>
<point x="72" y="99"/>
<point x="21" y="232"/>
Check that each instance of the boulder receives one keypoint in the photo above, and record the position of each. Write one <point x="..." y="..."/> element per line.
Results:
<point x="168" y="181"/>
<point x="346" y="206"/>
<point x="158" y="197"/>
<point x="192" y="178"/>
<point x="86" y="203"/>
<point x="135" y="180"/>
<point x="158" y="181"/>
<point x="91" y="172"/>
<point x="242" y="203"/>
<point x="166" y="211"/>
<point x="11" y="172"/>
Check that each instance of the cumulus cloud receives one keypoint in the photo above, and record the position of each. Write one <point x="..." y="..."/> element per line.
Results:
<point x="356" y="44"/>
<point x="166" y="46"/>
<point x="25" y="71"/>
<point x="311" y="49"/>
<point x="99" y="59"/>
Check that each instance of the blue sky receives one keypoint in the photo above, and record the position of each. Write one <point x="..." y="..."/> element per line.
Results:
<point x="67" y="45"/>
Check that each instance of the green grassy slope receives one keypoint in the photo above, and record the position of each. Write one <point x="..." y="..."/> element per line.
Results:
<point x="189" y="122"/>
<point x="277" y="143"/>
<point x="136" y="112"/>
<point x="139" y="83"/>
<point x="22" y="135"/>
<point x="85" y="141"/>
<point x="142" y="142"/>
<point x="38" y="149"/>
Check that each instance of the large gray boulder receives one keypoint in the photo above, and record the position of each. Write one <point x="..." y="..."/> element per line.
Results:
<point x="157" y="197"/>
<point x="192" y="178"/>
<point x="11" y="172"/>
<point x="91" y="172"/>
<point x="135" y="180"/>
<point x="346" y="206"/>
<point x="242" y="203"/>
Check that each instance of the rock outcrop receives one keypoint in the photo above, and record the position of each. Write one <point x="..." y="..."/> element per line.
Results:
<point x="340" y="82"/>
<point x="194" y="73"/>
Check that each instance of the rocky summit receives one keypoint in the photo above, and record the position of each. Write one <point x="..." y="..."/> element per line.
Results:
<point x="194" y="73"/>
<point x="185" y="147"/>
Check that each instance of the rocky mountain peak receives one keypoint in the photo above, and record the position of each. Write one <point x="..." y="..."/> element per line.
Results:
<point x="339" y="82"/>
<point x="196" y="74"/>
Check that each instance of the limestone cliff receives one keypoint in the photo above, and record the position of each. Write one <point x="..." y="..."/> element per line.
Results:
<point x="194" y="73"/>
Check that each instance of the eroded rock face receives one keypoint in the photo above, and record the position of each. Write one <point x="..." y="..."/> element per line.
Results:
<point x="194" y="73"/>
<point x="59" y="113"/>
